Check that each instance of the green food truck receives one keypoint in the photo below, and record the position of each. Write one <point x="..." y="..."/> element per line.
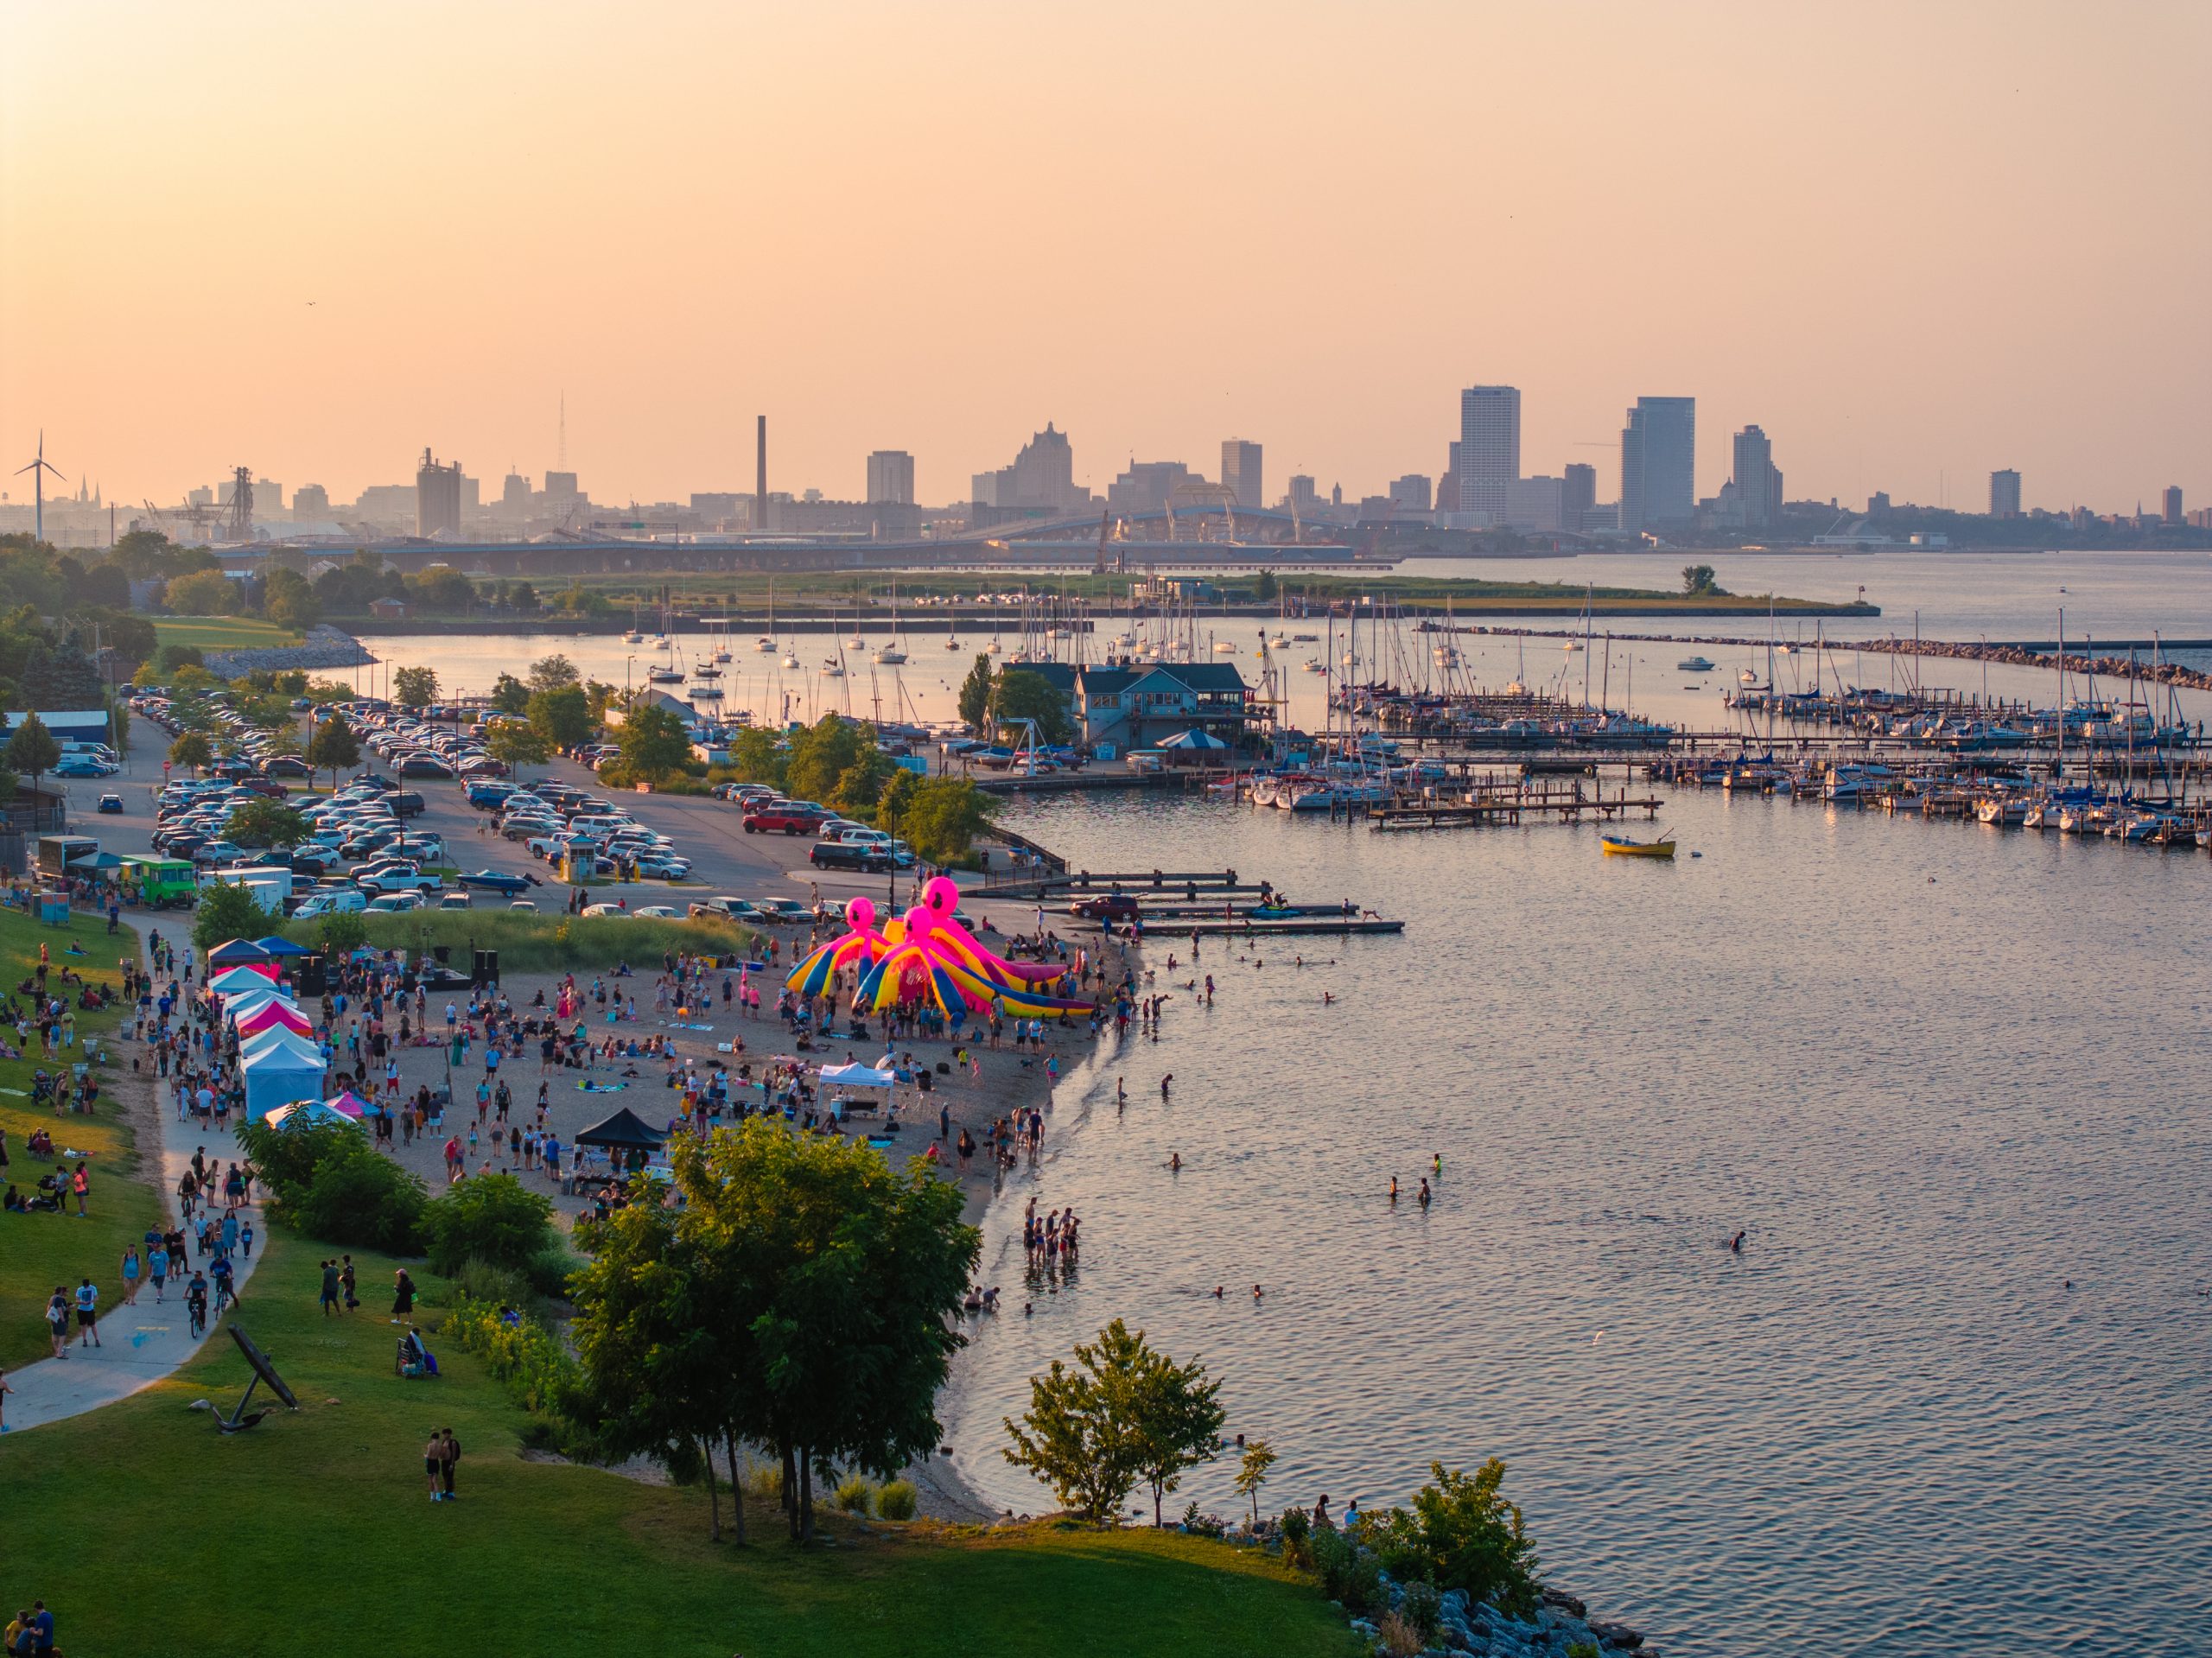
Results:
<point x="159" y="883"/>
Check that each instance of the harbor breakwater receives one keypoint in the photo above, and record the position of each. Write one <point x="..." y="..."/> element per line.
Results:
<point x="324" y="647"/>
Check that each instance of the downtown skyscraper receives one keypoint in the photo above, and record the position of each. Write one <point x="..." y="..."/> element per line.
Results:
<point x="1490" y="447"/>
<point x="1659" y="464"/>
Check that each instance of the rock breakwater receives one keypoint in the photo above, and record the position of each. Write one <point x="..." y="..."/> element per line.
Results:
<point x="324" y="647"/>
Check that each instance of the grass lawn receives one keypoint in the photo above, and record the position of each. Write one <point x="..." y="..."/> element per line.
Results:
<point x="223" y="632"/>
<point x="307" y="1546"/>
<point x="39" y="1251"/>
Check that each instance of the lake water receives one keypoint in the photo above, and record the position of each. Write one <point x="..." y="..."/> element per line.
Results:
<point x="1934" y="1070"/>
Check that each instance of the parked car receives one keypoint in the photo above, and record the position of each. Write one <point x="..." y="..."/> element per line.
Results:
<point x="787" y="817"/>
<point x="338" y="901"/>
<point x="110" y="803"/>
<point x="1110" y="907"/>
<point x="395" y="903"/>
<point x="722" y="909"/>
<point x="455" y="901"/>
<point x="846" y="855"/>
<point x="783" y="908"/>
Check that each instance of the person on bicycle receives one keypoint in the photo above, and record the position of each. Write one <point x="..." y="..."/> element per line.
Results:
<point x="225" y="1289"/>
<point x="195" y="1301"/>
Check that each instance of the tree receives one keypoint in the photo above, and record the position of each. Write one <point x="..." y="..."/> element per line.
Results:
<point x="288" y="600"/>
<point x="228" y="911"/>
<point x="334" y="747"/>
<point x="653" y="742"/>
<point x="510" y="695"/>
<point x="831" y="754"/>
<point x="897" y="796"/>
<point x="63" y="677"/>
<point x="803" y="1298"/>
<point x="1266" y="587"/>
<point x="524" y="598"/>
<point x="1021" y="694"/>
<point x="1698" y="581"/>
<point x="415" y="687"/>
<point x="562" y="716"/>
<point x="550" y="673"/>
<point x="493" y="1218"/>
<point x="1178" y="1422"/>
<point x="976" y="693"/>
<point x="758" y="754"/>
<point x="1252" y="1472"/>
<point x="265" y="822"/>
<point x="944" y="816"/>
<point x="31" y="747"/>
<point x="515" y="745"/>
<point x="205" y="593"/>
<point x="191" y="748"/>
<point x="441" y="589"/>
<point x="1080" y="1433"/>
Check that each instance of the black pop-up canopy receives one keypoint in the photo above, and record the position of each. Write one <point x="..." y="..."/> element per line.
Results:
<point x="623" y="1129"/>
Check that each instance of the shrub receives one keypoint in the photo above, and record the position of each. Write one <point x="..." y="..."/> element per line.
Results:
<point x="766" y="1481"/>
<point x="1398" y="1636"/>
<point x="479" y="1280"/>
<point x="332" y="1186"/>
<point x="493" y="1218"/>
<point x="896" y="1501"/>
<point x="1475" y="1539"/>
<point x="856" y="1494"/>
<point x="1422" y="1607"/>
<point x="1348" y="1572"/>
<point x="1297" y="1529"/>
<point x="529" y="1360"/>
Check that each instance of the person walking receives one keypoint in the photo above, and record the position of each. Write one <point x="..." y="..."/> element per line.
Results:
<point x="4" y="1391"/>
<point x="329" y="1287"/>
<point x="433" y="1464"/>
<point x="88" y="1313"/>
<point x="130" y="1268"/>
<point x="157" y="1265"/>
<point x="57" y="1321"/>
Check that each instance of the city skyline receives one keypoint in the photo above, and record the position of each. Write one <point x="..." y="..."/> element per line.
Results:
<point x="1874" y="321"/>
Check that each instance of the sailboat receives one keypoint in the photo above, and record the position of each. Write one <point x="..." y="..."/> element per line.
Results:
<point x="1521" y="666"/>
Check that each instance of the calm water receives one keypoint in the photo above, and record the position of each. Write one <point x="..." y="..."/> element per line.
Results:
<point x="1935" y="1071"/>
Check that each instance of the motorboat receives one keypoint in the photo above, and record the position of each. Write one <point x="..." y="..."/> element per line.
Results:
<point x="1694" y="665"/>
<point x="765" y="645"/>
<point x="1619" y="846"/>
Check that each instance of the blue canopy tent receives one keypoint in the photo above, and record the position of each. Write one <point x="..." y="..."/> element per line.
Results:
<point x="275" y="947"/>
<point x="1201" y="742"/>
<point x="279" y="1069"/>
<point x="307" y="1114"/>
<point x="237" y="952"/>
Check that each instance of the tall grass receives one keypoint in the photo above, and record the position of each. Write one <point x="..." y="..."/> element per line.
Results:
<point x="542" y="943"/>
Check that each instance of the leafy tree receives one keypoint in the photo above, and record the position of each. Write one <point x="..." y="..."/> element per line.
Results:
<point x="944" y="816"/>
<point x="1080" y="1434"/>
<point x="415" y="687"/>
<point x="441" y="589"/>
<point x="191" y="748"/>
<point x="334" y="747"/>
<point x="1266" y="587"/>
<point x="576" y="599"/>
<point x="1461" y="1534"/>
<point x="653" y="742"/>
<point x="168" y="659"/>
<point x="265" y="822"/>
<point x="493" y="1218"/>
<point x="510" y="695"/>
<point x="821" y="1286"/>
<point x="288" y="600"/>
<point x="550" y="673"/>
<point x="1252" y="1472"/>
<point x="976" y="693"/>
<point x="562" y="716"/>
<point x="524" y="598"/>
<point x="206" y="593"/>
<point x="897" y="796"/>
<point x="759" y="756"/>
<point x="516" y="745"/>
<point x="343" y="931"/>
<point x="228" y="911"/>
<point x="1178" y="1422"/>
<point x="1020" y="694"/>
<point x="32" y="747"/>
<point x="828" y="753"/>
<point x="1698" y="581"/>
<point x="61" y="677"/>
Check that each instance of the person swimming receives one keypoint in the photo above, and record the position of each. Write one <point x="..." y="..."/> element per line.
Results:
<point x="1394" y="1188"/>
<point x="1175" y="1162"/>
<point x="1164" y="1081"/>
<point x="1425" y="1192"/>
<point x="1217" y="1292"/>
<point x="1436" y="1162"/>
<point x="1255" y="1292"/>
<point x="1736" y="1244"/>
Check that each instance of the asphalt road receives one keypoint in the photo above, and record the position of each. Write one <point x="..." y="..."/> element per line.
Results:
<point x="724" y="859"/>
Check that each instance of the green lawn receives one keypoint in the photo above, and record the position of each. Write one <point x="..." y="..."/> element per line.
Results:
<point x="529" y="942"/>
<point x="300" y="1530"/>
<point x="39" y="1251"/>
<point x="222" y="632"/>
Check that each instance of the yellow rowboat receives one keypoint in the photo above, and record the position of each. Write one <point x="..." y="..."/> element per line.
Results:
<point x="1618" y="846"/>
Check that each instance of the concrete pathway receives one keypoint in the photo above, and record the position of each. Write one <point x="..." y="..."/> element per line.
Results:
<point x="141" y="1343"/>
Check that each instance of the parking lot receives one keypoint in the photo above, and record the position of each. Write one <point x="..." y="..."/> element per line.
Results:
<point x="723" y="859"/>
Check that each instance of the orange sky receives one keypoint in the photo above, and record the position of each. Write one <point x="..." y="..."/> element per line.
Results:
<point x="1905" y="239"/>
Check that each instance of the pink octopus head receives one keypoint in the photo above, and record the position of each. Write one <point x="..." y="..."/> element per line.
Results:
<point x="859" y="915"/>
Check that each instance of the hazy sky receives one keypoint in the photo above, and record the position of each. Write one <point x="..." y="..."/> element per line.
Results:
<point x="1906" y="239"/>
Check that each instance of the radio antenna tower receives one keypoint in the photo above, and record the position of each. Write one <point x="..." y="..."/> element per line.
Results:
<point x="561" y="447"/>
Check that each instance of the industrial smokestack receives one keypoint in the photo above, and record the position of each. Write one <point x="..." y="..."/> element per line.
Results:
<point x="760" y="477"/>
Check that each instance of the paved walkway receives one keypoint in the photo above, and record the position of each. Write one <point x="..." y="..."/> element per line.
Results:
<point x="141" y="1343"/>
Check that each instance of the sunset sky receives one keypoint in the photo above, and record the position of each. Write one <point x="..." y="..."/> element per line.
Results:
<point x="1914" y="242"/>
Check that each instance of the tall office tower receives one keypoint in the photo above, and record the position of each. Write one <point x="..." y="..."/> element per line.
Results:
<point x="1489" y="446"/>
<point x="1041" y="477"/>
<point x="514" y="495"/>
<point x="1240" y="472"/>
<point x="1146" y="486"/>
<point x="1301" y="497"/>
<point x="310" y="501"/>
<point x="2004" y="494"/>
<point x="1411" y="493"/>
<point x="437" y="497"/>
<point x="561" y="487"/>
<point x="1759" y="480"/>
<point x="2172" y="514"/>
<point x="1577" y="494"/>
<point x="1659" y="464"/>
<point x="891" y="477"/>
